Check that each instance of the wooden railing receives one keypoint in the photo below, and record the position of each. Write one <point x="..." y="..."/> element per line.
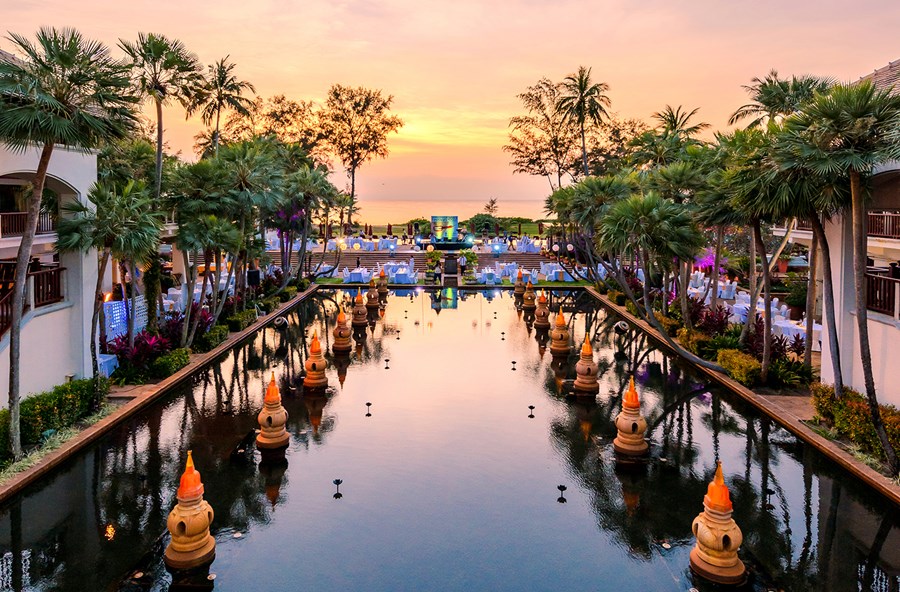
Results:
<point x="6" y="312"/>
<point x="883" y="295"/>
<point x="47" y="286"/>
<point x="13" y="224"/>
<point x="803" y="224"/>
<point x="884" y="224"/>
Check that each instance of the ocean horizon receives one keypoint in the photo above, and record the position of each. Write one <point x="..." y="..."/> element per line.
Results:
<point x="397" y="211"/>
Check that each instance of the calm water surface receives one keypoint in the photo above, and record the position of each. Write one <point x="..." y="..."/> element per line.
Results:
<point x="448" y="484"/>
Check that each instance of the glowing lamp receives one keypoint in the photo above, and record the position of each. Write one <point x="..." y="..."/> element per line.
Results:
<point x="570" y="247"/>
<point x="430" y="248"/>
<point x="355" y="246"/>
<point x="555" y="248"/>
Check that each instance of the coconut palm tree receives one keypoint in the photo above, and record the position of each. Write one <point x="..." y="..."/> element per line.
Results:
<point x="66" y="90"/>
<point x="120" y="223"/>
<point x="583" y="101"/>
<point x="772" y="97"/>
<point x="220" y="90"/>
<point x="677" y="122"/>
<point x="849" y="131"/>
<point x="163" y="70"/>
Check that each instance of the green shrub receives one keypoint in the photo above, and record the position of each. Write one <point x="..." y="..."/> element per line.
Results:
<point x="612" y="293"/>
<point x="692" y="340"/>
<point x="742" y="367"/>
<point x="632" y="308"/>
<point x="602" y="289"/>
<point x="288" y="293"/>
<point x="240" y="321"/>
<point x="710" y="349"/>
<point x="852" y="419"/>
<point x="55" y="409"/>
<point x="210" y="339"/>
<point x="669" y="324"/>
<point x="168" y="364"/>
<point x="788" y="372"/>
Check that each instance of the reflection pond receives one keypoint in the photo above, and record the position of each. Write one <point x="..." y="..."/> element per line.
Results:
<point x="449" y="478"/>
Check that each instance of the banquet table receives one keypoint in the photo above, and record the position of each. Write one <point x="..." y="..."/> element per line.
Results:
<point x="359" y="275"/>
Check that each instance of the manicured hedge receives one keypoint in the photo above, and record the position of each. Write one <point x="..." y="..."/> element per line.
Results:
<point x="851" y="418"/>
<point x="241" y="320"/>
<point x="692" y="340"/>
<point x="742" y="367"/>
<point x="210" y="339"/>
<point x="168" y="364"/>
<point x="288" y="293"/>
<point x="58" y="408"/>
<point x="270" y="304"/>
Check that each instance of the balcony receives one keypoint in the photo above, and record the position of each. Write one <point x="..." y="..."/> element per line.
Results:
<point x="45" y="287"/>
<point x="12" y="224"/>
<point x="883" y="295"/>
<point x="884" y="225"/>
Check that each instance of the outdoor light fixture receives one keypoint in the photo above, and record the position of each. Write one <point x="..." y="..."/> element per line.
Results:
<point x="570" y="247"/>
<point x="355" y="246"/>
<point x="555" y="248"/>
<point x="391" y="249"/>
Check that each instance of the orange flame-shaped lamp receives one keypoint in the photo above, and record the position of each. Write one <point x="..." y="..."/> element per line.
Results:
<point x="342" y="343"/>
<point x="359" y="310"/>
<point x="529" y="298"/>
<point x="559" y="337"/>
<point x="586" y="371"/>
<point x="315" y="366"/>
<point x="542" y="314"/>
<point x="191" y="545"/>
<point x="382" y="285"/>
<point x="715" y="556"/>
<point x="272" y="419"/>
<point x="631" y="426"/>
<point x="519" y="286"/>
<point x="372" y="295"/>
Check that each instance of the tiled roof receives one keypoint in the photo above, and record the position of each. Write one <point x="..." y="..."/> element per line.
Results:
<point x="886" y="77"/>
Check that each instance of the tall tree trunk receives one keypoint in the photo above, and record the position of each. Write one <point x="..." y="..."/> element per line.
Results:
<point x="187" y="296"/>
<point x="860" y="252"/>
<point x="767" y="303"/>
<point x="18" y="300"/>
<point x="684" y="273"/>
<point x="751" y="311"/>
<point x="133" y="312"/>
<point x="811" y="300"/>
<point x="720" y="237"/>
<point x="215" y="137"/>
<point x="207" y="259"/>
<point x="584" y="150"/>
<point x="834" y="344"/>
<point x="157" y="187"/>
<point x="352" y="195"/>
<point x="95" y="323"/>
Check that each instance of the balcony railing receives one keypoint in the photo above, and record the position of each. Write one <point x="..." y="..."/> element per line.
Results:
<point x="883" y="295"/>
<point x="803" y="224"/>
<point x="45" y="287"/>
<point x="13" y="224"/>
<point x="884" y="224"/>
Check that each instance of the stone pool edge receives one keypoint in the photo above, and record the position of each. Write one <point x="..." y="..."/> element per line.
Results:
<point x="773" y="410"/>
<point x="145" y="395"/>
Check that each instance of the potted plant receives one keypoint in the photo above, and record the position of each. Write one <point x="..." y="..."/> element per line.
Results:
<point x="796" y="299"/>
<point x="783" y="262"/>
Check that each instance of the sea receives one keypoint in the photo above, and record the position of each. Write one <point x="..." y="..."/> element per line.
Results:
<point x="380" y="212"/>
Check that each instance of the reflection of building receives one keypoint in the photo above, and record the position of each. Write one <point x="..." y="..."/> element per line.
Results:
<point x="850" y="536"/>
<point x="60" y="288"/>
<point x="882" y="278"/>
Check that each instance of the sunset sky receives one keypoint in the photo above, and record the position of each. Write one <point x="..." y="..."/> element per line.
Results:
<point x="455" y="68"/>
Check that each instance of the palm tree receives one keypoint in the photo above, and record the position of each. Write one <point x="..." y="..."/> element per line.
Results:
<point x="66" y="90"/>
<point x="219" y="91"/>
<point x="772" y="97"/>
<point x="676" y="122"/>
<point x="850" y="131"/>
<point x="119" y="223"/>
<point x="581" y="101"/>
<point x="163" y="69"/>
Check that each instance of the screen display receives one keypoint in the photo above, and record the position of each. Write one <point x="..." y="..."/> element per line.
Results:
<point x="445" y="228"/>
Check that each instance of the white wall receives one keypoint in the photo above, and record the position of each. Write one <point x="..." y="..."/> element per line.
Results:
<point x="56" y="344"/>
<point x="884" y="332"/>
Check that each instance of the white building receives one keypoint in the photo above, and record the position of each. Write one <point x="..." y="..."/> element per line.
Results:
<point x="882" y="279"/>
<point x="57" y="323"/>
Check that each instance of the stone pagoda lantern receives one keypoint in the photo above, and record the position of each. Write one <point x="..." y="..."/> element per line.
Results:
<point x="542" y="314"/>
<point x="188" y="523"/>
<point x="529" y="297"/>
<point x="372" y="296"/>
<point x="359" y="311"/>
<point x="714" y="557"/>
<point x="586" y="371"/>
<point x="519" y="287"/>
<point x="272" y="434"/>
<point x="342" y="332"/>
<point x="382" y="285"/>
<point x="559" y="337"/>
<point x="315" y="366"/>
<point x="631" y="425"/>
